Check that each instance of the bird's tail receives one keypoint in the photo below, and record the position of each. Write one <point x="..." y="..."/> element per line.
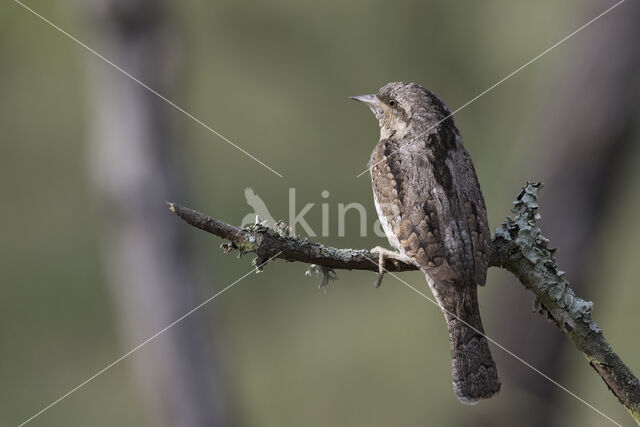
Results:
<point x="474" y="372"/>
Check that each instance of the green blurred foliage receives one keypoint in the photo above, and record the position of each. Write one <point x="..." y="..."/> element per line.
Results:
<point x="274" y="77"/>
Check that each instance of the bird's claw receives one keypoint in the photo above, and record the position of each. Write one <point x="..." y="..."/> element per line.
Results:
<point x="382" y="257"/>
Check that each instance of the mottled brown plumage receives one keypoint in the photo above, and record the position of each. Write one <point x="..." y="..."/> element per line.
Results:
<point x="429" y="202"/>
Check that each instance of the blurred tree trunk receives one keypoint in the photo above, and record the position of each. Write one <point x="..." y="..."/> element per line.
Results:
<point x="585" y="133"/>
<point x="145" y="262"/>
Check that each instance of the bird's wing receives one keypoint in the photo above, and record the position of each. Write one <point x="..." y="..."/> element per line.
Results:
<point x="437" y="221"/>
<point x="473" y="205"/>
<point x="408" y="210"/>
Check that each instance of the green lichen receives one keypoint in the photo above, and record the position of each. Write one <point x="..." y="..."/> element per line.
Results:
<point x="249" y="244"/>
<point x="522" y="231"/>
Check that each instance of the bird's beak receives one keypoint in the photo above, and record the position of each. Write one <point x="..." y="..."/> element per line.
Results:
<point x="371" y="101"/>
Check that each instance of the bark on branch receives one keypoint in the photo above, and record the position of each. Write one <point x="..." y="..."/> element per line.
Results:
<point x="518" y="246"/>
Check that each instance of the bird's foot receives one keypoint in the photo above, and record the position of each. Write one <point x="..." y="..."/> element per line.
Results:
<point x="383" y="255"/>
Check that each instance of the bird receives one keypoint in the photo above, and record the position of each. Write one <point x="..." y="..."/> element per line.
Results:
<point x="430" y="205"/>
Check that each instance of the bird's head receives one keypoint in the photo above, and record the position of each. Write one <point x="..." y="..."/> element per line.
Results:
<point x="402" y="108"/>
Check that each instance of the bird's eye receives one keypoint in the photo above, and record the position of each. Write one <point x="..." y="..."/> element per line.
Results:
<point x="392" y="102"/>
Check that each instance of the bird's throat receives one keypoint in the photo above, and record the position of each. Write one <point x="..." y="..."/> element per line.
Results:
<point x="393" y="128"/>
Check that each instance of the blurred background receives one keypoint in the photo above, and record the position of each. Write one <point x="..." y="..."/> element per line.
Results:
<point x="92" y="263"/>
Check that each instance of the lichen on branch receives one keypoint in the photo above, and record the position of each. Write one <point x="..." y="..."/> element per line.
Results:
<point x="520" y="247"/>
<point x="523" y="233"/>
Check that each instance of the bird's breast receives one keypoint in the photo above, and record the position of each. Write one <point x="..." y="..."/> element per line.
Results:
<point x="385" y="222"/>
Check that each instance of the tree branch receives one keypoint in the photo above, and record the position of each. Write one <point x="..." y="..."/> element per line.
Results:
<point x="518" y="246"/>
<point x="278" y="242"/>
